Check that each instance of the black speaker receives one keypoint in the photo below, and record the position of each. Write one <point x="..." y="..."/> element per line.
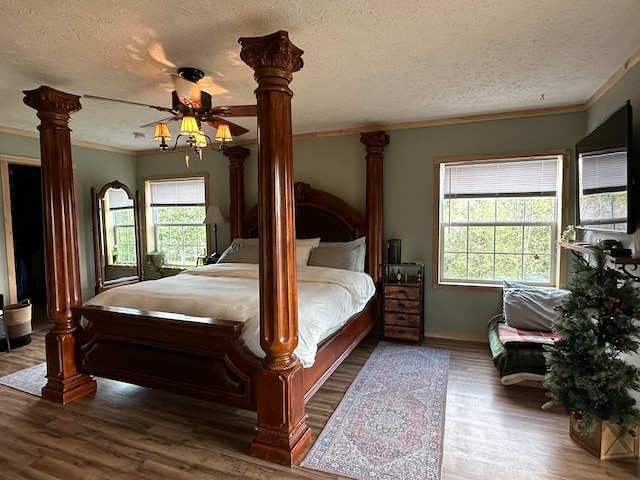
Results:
<point x="394" y="250"/>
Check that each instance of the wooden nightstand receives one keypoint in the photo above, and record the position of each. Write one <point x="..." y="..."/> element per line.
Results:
<point x="403" y="301"/>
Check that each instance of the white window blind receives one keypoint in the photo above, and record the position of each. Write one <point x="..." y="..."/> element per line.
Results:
<point x="606" y="172"/>
<point x="118" y="199"/>
<point x="174" y="193"/>
<point x="504" y="178"/>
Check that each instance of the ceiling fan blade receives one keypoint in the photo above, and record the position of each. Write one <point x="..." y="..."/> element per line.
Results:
<point x="162" y="109"/>
<point x="236" y="130"/>
<point x="236" y="111"/>
<point x="189" y="93"/>
<point x="164" y="120"/>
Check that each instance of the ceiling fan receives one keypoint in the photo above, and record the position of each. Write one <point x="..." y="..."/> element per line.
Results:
<point x="193" y="106"/>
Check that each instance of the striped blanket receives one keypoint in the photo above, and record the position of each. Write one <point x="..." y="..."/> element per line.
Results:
<point x="515" y="338"/>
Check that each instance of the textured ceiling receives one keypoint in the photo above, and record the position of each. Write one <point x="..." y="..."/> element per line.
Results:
<point x="367" y="62"/>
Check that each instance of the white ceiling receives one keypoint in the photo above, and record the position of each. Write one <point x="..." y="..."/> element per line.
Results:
<point x="367" y="63"/>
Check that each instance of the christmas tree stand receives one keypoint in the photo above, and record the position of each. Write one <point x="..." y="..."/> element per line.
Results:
<point x="605" y="443"/>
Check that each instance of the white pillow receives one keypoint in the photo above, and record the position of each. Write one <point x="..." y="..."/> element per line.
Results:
<point x="531" y="308"/>
<point x="303" y="250"/>
<point x="240" y="254"/>
<point x="344" y="255"/>
<point x="314" y="242"/>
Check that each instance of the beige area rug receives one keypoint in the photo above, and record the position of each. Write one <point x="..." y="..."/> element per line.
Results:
<point x="30" y="380"/>
<point x="390" y="423"/>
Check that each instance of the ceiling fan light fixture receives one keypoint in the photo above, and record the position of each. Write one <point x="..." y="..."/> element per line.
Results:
<point x="162" y="135"/>
<point x="200" y="140"/>
<point x="162" y="132"/>
<point x="189" y="126"/>
<point x="223" y="134"/>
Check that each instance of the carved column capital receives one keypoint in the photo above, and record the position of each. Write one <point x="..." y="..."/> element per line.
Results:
<point x="52" y="103"/>
<point x="273" y="58"/>
<point x="271" y="51"/>
<point x="236" y="156"/>
<point x="374" y="141"/>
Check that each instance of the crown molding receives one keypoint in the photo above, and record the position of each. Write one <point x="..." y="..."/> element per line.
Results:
<point x="613" y="79"/>
<point x="77" y="143"/>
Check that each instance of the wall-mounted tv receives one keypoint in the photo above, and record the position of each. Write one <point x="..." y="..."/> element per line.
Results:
<point x="606" y="175"/>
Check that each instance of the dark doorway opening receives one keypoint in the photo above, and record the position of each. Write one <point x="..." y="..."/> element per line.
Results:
<point x="28" y="237"/>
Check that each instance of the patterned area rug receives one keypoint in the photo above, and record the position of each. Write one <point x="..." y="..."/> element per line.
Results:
<point x="30" y="380"/>
<point x="390" y="423"/>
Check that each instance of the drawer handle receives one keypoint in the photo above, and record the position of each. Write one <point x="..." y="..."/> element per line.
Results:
<point x="402" y="291"/>
<point x="401" y="331"/>
<point x="401" y="318"/>
<point x="402" y="305"/>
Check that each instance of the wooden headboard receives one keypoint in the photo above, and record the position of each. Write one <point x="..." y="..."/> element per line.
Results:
<point x="318" y="214"/>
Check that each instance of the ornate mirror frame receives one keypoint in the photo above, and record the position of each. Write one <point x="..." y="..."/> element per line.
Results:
<point x="132" y="274"/>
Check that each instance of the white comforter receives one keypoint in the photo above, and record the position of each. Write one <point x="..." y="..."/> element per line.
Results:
<point x="327" y="298"/>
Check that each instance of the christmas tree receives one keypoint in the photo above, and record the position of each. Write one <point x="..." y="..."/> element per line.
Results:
<point x="587" y="374"/>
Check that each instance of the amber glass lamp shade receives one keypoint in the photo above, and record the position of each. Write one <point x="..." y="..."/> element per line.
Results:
<point x="223" y="134"/>
<point x="200" y="140"/>
<point x="189" y="126"/>
<point x="162" y="132"/>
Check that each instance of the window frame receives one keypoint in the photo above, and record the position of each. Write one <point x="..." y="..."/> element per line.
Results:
<point x="559" y="265"/>
<point x="150" y="237"/>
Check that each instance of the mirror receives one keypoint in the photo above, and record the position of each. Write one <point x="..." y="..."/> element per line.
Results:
<point x="604" y="175"/>
<point x="116" y="236"/>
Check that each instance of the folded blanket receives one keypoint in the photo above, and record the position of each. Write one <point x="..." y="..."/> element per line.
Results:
<point x="512" y="337"/>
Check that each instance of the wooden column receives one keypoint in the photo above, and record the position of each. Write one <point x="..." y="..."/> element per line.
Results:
<point x="375" y="143"/>
<point x="61" y="242"/>
<point x="282" y="429"/>
<point x="236" y="156"/>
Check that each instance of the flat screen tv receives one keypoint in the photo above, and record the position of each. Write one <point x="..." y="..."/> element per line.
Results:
<point x="606" y="175"/>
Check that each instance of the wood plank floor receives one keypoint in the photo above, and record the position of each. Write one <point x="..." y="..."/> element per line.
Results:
<point x="128" y="432"/>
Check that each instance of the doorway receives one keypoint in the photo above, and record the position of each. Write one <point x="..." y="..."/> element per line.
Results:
<point x="25" y="193"/>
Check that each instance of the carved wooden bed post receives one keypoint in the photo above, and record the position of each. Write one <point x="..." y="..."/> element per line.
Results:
<point x="375" y="143"/>
<point x="236" y="157"/>
<point x="61" y="242"/>
<point x="282" y="429"/>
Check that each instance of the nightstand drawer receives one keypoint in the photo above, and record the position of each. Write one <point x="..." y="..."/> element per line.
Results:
<point x="404" y="333"/>
<point x="410" y="293"/>
<point x="408" y="306"/>
<point x="402" y="319"/>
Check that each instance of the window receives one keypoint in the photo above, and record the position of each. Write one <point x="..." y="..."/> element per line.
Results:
<point x="175" y="214"/>
<point x="499" y="220"/>
<point x="603" y="190"/>
<point x="120" y="227"/>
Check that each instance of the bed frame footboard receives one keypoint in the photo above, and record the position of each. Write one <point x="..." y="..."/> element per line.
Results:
<point x="194" y="356"/>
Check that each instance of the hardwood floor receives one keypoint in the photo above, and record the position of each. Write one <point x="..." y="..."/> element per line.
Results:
<point x="129" y="432"/>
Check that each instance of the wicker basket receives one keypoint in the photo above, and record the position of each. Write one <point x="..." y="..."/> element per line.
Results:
<point x="18" y="318"/>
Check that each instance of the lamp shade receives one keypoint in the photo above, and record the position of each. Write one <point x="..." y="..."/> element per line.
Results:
<point x="223" y="134"/>
<point x="200" y="140"/>
<point x="189" y="126"/>
<point x="214" y="216"/>
<point x="162" y="132"/>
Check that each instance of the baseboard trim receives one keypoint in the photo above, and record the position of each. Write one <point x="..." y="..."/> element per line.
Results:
<point x="458" y="337"/>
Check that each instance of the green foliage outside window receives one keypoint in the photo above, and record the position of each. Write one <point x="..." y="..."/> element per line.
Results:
<point x="180" y="234"/>
<point x="491" y="239"/>
<point x="608" y="206"/>
<point x="125" y="238"/>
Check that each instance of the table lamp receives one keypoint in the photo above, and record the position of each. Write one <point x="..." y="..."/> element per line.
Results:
<point x="214" y="217"/>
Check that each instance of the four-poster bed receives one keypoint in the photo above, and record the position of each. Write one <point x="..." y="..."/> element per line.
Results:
<point x="197" y="356"/>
